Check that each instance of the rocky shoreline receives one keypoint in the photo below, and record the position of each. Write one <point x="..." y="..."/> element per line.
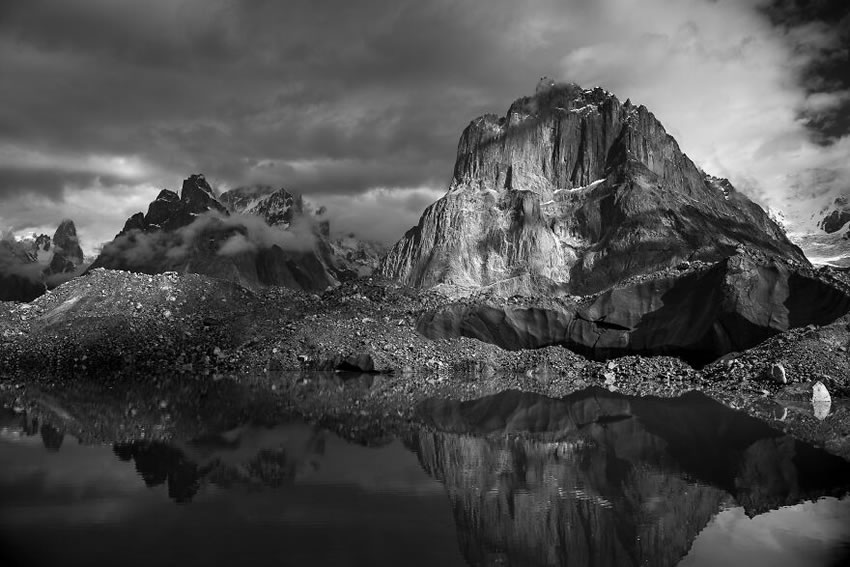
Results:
<point x="351" y="358"/>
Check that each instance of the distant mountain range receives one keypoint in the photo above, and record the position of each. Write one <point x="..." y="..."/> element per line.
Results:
<point x="257" y="236"/>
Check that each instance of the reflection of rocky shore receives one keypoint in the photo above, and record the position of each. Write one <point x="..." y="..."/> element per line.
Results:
<point x="601" y="479"/>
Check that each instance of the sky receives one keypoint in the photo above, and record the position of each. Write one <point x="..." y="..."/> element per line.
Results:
<point x="359" y="105"/>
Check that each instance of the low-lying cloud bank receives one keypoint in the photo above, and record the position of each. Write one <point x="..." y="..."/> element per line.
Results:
<point x="227" y="235"/>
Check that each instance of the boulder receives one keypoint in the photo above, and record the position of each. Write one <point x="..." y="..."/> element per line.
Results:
<point x="777" y="373"/>
<point x="821" y="400"/>
<point x="700" y="316"/>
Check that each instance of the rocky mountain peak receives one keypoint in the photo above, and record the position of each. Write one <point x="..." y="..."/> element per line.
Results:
<point x="573" y="186"/>
<point x="563" y="137"/>
<point x="67" y="251"/>
<point x="199" y="197"/>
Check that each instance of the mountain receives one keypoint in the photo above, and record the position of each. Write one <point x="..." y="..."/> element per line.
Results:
<point x="257" y="236"/>
<point x="344" y="258"/>
<point x="361" y="257"/>
<point x="29" y="266"/>
<point x="277" y="207"/>
<point x="574" y="190"/>
<point x="67" y="254"/>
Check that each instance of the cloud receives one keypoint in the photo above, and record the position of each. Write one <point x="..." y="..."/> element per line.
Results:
<point x="238" y="234"/>
<point x="725" y="83"/>
<point x="341" y="101"/>
<point x="13" y="261"/>
<point x="381" y="214"/>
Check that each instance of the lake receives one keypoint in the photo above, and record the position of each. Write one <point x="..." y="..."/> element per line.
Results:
<point x="595" y="478"/>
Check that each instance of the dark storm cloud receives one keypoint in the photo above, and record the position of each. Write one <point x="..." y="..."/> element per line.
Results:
<point x="359" y="100"/>
<point x="204" y="85"/>
<point x="827" y="75"/>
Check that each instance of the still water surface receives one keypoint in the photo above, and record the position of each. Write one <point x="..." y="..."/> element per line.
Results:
<point x="512" y="479"/>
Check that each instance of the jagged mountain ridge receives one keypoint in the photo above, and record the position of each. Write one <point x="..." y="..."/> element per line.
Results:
<point x="344" y="257"/>
<point x="577" y="188"/>
<point x="196" y="233"/>
<point x="255" y="235"/>
<point x="278" y="207"/>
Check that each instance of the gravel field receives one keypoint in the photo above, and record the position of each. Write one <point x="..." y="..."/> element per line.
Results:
<point x="116" y="355"/>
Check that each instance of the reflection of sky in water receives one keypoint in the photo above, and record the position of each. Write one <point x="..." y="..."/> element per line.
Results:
<point x="801" y="535"/>
<point x="348" y="505"/>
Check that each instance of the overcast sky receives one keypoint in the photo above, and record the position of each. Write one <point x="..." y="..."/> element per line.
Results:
<point x="359" y="105"/>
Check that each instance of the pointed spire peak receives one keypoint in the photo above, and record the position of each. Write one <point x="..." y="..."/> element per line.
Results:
<point x="198" y="195"/>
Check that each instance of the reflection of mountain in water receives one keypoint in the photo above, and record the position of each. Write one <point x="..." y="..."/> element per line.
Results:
<point x="246" y="456"/>
<point x="602" y="479"/>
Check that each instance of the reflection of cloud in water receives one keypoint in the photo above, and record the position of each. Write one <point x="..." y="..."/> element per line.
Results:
<point x="77" y="484"/>
<point x="801" y="535"/>
<point x="354" y="506"/>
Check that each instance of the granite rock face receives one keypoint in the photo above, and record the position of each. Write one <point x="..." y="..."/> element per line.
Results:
<point x="196" y="232"/>
<point x="574" y="187"/>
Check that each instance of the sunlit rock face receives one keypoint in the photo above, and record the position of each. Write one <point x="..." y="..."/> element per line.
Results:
<point x="732" y="306"/>
<point x="575" y="187"/>
<point x="601" y="479"/>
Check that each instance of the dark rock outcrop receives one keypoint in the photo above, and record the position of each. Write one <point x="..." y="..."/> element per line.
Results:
<point x="731" y="306"/>
<point x="836" y="216"/>
<point x="67" y="253"/>
<point x="198" y="196"/>
<point x="598" y="478"/>
<point x="196" y="233"/>
<point x="575" y="187"/>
